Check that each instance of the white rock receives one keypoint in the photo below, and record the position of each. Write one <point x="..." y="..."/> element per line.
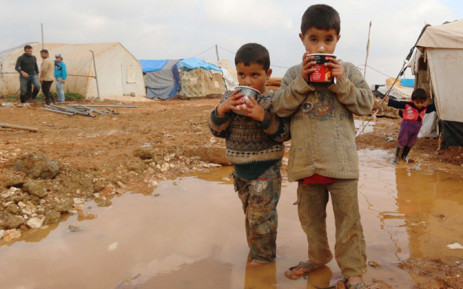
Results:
<point x="112" y="246"/>
<point x="35" y="222"/>
<point x="455" y="246"/>
<point x="11" y="234"/>
<point x="2" y="232"/>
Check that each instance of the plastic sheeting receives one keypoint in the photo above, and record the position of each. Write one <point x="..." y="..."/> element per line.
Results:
<point x="163" y="83"/>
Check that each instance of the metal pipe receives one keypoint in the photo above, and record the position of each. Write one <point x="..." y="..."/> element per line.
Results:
<point x="7" y="125"/>
<point x="58" y="111"/>
<point x="96" y="77"/>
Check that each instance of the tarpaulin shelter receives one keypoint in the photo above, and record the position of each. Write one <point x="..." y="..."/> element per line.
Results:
<point x="118" y="72"/>
<point x="199" y="78"/>
<point x="187" y="78"/>
<point x="438" y="67"/>
<point x="161" y="77"/>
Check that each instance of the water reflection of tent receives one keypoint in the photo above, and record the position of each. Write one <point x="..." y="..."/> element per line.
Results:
<point x="438" y="66"/>
<point x="119" y="72"/>
<point x="187" y="78"/>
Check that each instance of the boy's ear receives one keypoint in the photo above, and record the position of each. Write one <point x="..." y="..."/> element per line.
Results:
<point x="301" y="36"/>
<point x="339" y="37"/>
<point x="269" y="73"/>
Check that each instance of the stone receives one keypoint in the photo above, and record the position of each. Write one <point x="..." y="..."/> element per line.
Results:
<point x="11" y="235"/>
<point x="35" y="222"/>
<point x="37" y="166"/>
<point x="2" y="232"/>
<point x="13" y="221"/>
<point x="35" y="188"/>
<point x="52" y="217"/>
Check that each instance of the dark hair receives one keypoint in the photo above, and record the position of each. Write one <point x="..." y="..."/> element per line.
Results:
<point x="419" y="94"/>
<point x="253" y="53"/>
<point x="321" y="16"/>
<point x="27" y="47"/>
<point x="44" y="51"/>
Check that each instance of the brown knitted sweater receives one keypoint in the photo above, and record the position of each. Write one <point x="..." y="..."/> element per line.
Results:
<point x="248" y="140"/>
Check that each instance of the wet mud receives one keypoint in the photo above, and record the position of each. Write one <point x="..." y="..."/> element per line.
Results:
<point x="189" y="233"/>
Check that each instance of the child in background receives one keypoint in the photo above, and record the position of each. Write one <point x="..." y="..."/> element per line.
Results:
<point x="412" y="119"/>
<point x="254" y="144"/>
<point x="323" y="155"/>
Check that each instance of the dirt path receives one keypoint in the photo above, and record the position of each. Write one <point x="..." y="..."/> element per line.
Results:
<point x="48" y="174"/>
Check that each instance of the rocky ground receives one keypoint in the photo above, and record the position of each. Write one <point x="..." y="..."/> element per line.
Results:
<point x="48" y="174"/>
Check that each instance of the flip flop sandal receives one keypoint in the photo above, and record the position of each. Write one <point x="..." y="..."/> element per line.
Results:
<point x="306" y="268"/>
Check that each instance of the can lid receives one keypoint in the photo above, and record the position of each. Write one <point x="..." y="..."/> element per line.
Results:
<point x="324" y="54"/>
<point x="247" y="87"/>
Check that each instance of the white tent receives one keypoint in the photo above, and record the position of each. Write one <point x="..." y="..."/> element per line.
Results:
<point x="438" y="67"/>
<point x="118" y="72"/>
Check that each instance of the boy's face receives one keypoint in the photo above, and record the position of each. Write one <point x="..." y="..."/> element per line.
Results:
<point x="319" y="40"/>
<point x="253" y="75"/>
<point x="28" y="51"/>
<point x="44" y="55"/>
<point x="419" y="103"/>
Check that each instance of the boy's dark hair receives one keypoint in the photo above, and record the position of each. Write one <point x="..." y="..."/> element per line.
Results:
<point x="419" y="94"/>
<point x="44" y="51"/>
<point x="253" y="53"/>
<point x="321" y="16"/>
<point x="27" y="47"/>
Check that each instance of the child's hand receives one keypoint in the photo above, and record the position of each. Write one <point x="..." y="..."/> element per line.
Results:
<point x="254" y="110"/>
<point x="336" y="68"/>
<point x="230" y="103"/>
<point x="307" y="66"/>
<point x="386" y="99"/>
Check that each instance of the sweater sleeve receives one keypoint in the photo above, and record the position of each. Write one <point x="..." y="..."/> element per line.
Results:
<point x="64" y="71"/>
<point x="277" y="127"/>
<point x="292" y="92"/>
<point x="353" y="91"/>
<point x="18" y="65"/>
<point x="397" y="104"/>
<point x="430" y="108"/>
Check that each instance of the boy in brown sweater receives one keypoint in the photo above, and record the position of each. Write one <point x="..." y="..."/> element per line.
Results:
<point x="254" y="139"/>
<point x="323" y="157"/>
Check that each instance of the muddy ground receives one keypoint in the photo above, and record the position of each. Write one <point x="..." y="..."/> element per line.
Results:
<point x="48" y="174"/>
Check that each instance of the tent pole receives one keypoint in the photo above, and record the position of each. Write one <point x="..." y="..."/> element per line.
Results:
<point x="368" y="51"/>
<point x="96" y="77"/>
<point x="41" y="25"/>
<point x="217" y="52"/>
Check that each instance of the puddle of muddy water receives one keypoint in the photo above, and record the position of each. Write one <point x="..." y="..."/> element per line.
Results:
<point x="192" y="235"/>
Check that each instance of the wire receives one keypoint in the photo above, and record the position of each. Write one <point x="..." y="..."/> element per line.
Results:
<point x="204" y="51"/>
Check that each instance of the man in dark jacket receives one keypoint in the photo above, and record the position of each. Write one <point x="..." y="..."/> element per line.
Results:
<point x="28" y="70"/>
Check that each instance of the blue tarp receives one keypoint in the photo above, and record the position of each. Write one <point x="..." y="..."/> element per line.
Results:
<point x="193" y="63"/>
<point x="407" y="82"/>
<point x="148" y="65"/>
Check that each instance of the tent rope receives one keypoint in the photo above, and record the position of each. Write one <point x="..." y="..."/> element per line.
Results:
<point x="404" y="67"/>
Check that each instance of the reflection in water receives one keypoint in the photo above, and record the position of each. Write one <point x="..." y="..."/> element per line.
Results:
<point x="430" y="204"/>
<point x="260" y="276"/>
<point x="190" y="235"/>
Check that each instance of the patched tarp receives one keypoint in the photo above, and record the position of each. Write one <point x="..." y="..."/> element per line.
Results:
<point x="194" y="63"/>
<point x="148" y="65"/>
<point x="163" y="83"/>
<point x="200" y="82"/>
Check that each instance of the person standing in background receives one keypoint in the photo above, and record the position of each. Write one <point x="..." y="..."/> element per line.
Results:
<point x="46" y="76"/>
<point x="60" y="75"/>
<point x="26" y="65"/>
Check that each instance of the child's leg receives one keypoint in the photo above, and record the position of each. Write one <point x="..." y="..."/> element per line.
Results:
<point x="312" y="200"/>
<point x="260" y="201"/>
<point x="350" y="242"/>
<point x="413" y="130"/>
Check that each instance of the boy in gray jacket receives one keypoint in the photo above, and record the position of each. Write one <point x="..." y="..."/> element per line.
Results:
<point x="323" y="156"/>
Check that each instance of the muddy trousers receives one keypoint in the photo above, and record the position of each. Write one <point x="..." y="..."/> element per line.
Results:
<point x="260" y="198"/>
<point x="350" y="243"/>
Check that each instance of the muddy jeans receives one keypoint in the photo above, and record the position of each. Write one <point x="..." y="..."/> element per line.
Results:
<point x="260" y="198"/>
<point x="350" y="243"/>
